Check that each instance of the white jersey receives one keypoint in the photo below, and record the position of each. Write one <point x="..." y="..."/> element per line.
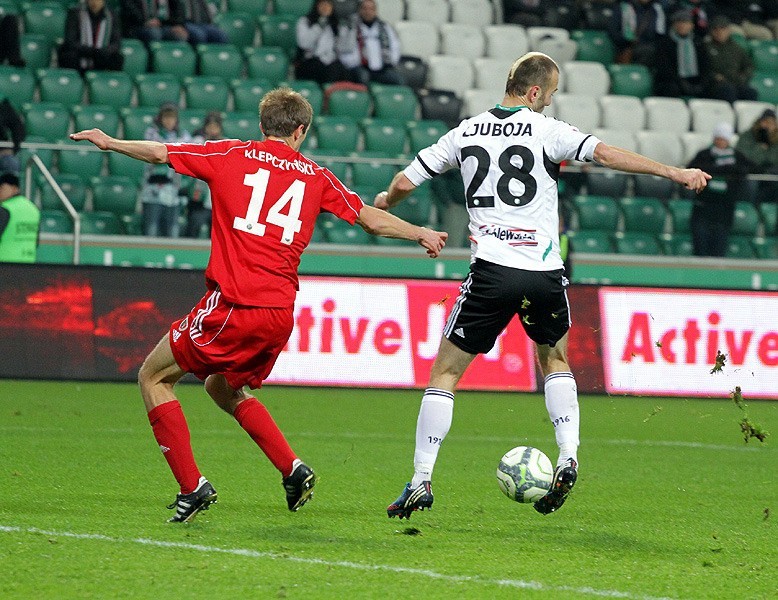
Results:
<point x="510" y="165"/>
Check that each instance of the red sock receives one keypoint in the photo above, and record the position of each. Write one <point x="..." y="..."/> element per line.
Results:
<point x="172" y="433"/>
<point x="252" y="415"/>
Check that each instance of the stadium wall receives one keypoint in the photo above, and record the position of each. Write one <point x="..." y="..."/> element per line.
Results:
<point x="98" y="323"/>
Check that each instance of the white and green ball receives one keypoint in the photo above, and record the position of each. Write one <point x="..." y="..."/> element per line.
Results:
<point x="524" y="474"/>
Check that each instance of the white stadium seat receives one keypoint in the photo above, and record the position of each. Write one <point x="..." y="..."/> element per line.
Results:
<point x="452" y="73"/>
<point x="472" y="12"/>
<point x="504" y="41"/>
<point x="562" y="51"/>
<point x="693" y="142"/>
<point x="584" y="77"/>
<point x="664" y="146"/>
<point x="391" y="11"/>
<point x="478" y="101"/>
<point x="623" y="112"/>
<point x="418" y="38"/>
<point x="457" y="39"/>
<point x="491" y="73"/>
<point x="536" y="34"/>
<point x="706" y="114"/>
<point x="748" y="111"/>
<point x="432" y="11"/>
<point x="581" y="111"/>
<point x="617" y="137"/>
<point x="666" y="114"/>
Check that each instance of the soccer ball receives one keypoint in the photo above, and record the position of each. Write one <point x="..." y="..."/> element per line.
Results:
<point x="524" y="474"/>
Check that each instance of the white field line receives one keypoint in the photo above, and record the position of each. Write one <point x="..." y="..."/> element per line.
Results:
<point x="344" y="564"/>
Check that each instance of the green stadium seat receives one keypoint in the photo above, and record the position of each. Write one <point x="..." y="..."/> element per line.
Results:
<point x="220" y="60"/>
<point x="766" y="85"/>
<point x="594" y="45"/>
<point x="136" y="57"/>
<point x="247" y="6"/>
<point x="174" y="58"/>
<point x="765" y="55"/>
<point x="310" y="90"/>
<point x="746" y="221"/>
<point x="606" y="183"/>
<point x="18" y="85"/>
<point x="338" y="231"/>
<point x="416" y="209"/>
<point x="61" y="85"/>
<point x="156" y="88"/>
<point x="9" y="7"/>
<point x="637" y="243"/>
<point x="121" y="165"/>
<point x="425" y="133"/>
<point x="337" y="133"/>
<point x="678" y="244"/>
<point x="769" y="212"/>
<point x="100" y="223"/>
<point x="595" y="242"/>
<point x="191" y="119"/>
<point x="115" y="194"/>
<point x="653" y="186"/>
<point x="135" y="122"/>
<point x="348" y="103"/>
<point x="384" y="135"/>
<point x="55" y="221"/>
<point x="45" y="18"/>
<point x="46" y="156"/>
<point x="631" y="80"/>
<point x="279" y="30"/>
<point x="267" y="62"/>
<point x="318" y="236"/>
<point x="375" y="174"/>
<point x="681" y="214"/>
<point x="87" y="116"/>
<point x="79" y="159"/>
<point x="72" y="186"/>
<point x="246" y="93"/>
<point x="239" y="27"/>
<point x="206" y="93"/>
<point x="739" y="246"/>
<point x="36" y="50"/>
<point x="293" y="8"/>
<point x="241" y="126"/>
<point x="48" y="120"/>
<point x="133" y="224"/>
<point x="341" y="169"/>
<point x="109" y="88"/>
<point x="766" y="248"/>
<point x="596" y="212"/>
<point x="643" y="215"/>
<point x="395" y="102"/>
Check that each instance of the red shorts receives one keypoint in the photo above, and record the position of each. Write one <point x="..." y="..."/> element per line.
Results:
<point x="240" y="342"/>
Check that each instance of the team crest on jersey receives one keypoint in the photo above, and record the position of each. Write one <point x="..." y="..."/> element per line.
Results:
<point x="184" y="324"/>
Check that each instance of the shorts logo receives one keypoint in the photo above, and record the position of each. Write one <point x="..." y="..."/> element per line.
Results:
<point x="176" y="335"/>
<point x="184" y="324"/>
<point x="460" y="332"/>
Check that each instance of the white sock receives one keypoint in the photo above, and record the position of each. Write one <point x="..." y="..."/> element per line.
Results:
<point x="435" y="416"/>
<point x="562" y="405"/>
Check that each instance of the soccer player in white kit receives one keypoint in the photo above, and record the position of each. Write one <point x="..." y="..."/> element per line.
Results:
<point x="509" y="157"/>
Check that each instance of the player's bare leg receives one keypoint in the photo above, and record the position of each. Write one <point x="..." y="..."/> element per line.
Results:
<point x="156" y="378"/>
<point x="298" y="478"/>
<point x="562" y="405"/>
<point x="435" y="417"/>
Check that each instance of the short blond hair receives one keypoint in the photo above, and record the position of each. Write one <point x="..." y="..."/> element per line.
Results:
<point x="282" y="111"/>
<point x="532" y="69"/>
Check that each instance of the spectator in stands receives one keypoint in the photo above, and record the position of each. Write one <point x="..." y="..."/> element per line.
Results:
<point x="198" y="193"/>
<point x="346" y="9"/>
<point x="760" y="146"/>
<point x="376" y="48"/>
<point x="10" y="48"/>
<point x="322" y="38"/>
<point x="199" y="24"/>
<point x="11" y="130"/>
<point x="159" y="195"/>
<point x="714" y="207"/>
<point x="682" y="65"/>
<point x="534" y="13"/>
<point x="92" y="39"/>
<point x="19" y="222"/>
<point x="749" y="16"/>
<point x="635" y="27"/>
<point x="731" y="66"/>
<point x="701" y="14"/>
<point x="153" y="20"/>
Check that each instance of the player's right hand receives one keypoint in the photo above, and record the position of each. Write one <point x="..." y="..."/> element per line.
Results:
<point x="693" y="179"/>
<point x="433" y="241"/>
<point x="98" y="137"/>
<point x="380" y="200"/>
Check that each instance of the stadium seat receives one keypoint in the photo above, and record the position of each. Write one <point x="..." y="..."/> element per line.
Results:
<point x="311" y="91"/>
<point x="79" y="159"/>
<point x="594" y="242"/>
<point x="598" y="15"/>
<point x="581" y="111"/>
<point x="535" y="34"/>
<point x="645" y="215"/>
<point x="680" y="214"/>
<point x="663" y="146"/>
<point x="392" y="11"/>
<point x="413" y="70"/>
<point x="492" y="73"/>
<point x="596" y="212"/>
<point x="55" y="221"/>
<point x="747" y="112"/>
<point x="87" y="116"/>
<point x="450" y="73"/>
<point x="678" y="244"/>
<point x="637" y="243"/>
<point x="739" y="246"/>
<point x="136" y="57"/>
<point x="246" y="93"/>
<point x="416" y="209"/>
<point x="460" y="39"/>
<point x="766" y="248"/>
<point x="116" y="194"/>
<point x="206" y="93"/>
<point x="278" y="30"/>
<point x="46" y="156"/>
<point x="374" y="174"/>
<point x="653" y="186"/>
<point x="45" y="18"/>
<point x="746" y="220"/>
<point x="355" y="104"/>
<point x="8" y="7"/>
<point x="48" y="120"/>
<point x="706" y="114"/>
<point x="335" y="162"/>
<point x="18" y="85"/>
<point x="593" y="45"/>
<point x="471" y="12"/>
<point x="616" y="137"/>
<point x="157" y="88"/>
<point x="290" y="7"/>
<point x="765" y="55"/>
<point x="504" y="41"/>
<point x="136" y="121"/>
<point x="769" y="213"/>
<point x="268" y="62"/>
<point x="562" y="51"/>
<point x="585" y="78"/>
<point x="424" y="133"/>
<point x="606" y="182"/>
<point x="622" y="112"/>
<point x="191" y="119"/>
<point x="337" y="133"/>
<point x="174" y="58"/>
<point x="440" y="105"/>
<point x="418" y="38"/>
<point x="338" y="231"/>
<point x="248" y="6"/>
<point x="477" y="101"/>
<point x="667" y="114"/>
<point x="239" y="27"/>
<point x="220" y="60"/>
<point x="36" y="50"/>
<point x="693" y="142"/>
<point x="109" y="88"/>
<point x="766" y="86"/>
<point x="100" y="223"/>
<point x="241" y="126"/>
<point x="72" y="186"/>
<point x="387" y="136"/>
<point x="61" y="85"/>
<point x="431" y="11"/>
<point x="631" y="80"/>
<point x="395" y="102"/>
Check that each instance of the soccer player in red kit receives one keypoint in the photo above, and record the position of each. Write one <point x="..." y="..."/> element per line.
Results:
<point x="266" y="197"/>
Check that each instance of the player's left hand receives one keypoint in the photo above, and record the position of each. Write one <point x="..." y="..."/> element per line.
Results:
<point x="433" y="241"/>
<point x="380" y="200"/>
<point x="98" y="137"/>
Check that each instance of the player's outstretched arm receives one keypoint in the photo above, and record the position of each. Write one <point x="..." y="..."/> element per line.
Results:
<point x="384" y="224"/>
<point x="400" y="188"/>
<point x="147" y="151"/>
<point x="631" y="162"/>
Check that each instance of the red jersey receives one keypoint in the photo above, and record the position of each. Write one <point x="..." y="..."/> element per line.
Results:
<point x="266" y="198"/>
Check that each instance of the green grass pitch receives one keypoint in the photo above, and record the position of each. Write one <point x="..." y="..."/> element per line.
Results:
<point x="670" y="503"/>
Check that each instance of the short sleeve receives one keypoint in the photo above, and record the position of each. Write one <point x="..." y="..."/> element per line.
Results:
<point x="565" y="142"/>
<point x="201" y="160"/>
<point x="433" y="160"/>
<point x="338" y="199"/>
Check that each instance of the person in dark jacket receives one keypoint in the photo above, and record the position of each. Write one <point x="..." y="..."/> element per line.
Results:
<point x="200" y="25"/>
<point x="682" y="65"/>
<point x="92" y="39"/>
<point x="714" y="207"/>
<point x="10" y="47"/>
<point x="153" y="20"/>
<point x="731" y="66"/>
